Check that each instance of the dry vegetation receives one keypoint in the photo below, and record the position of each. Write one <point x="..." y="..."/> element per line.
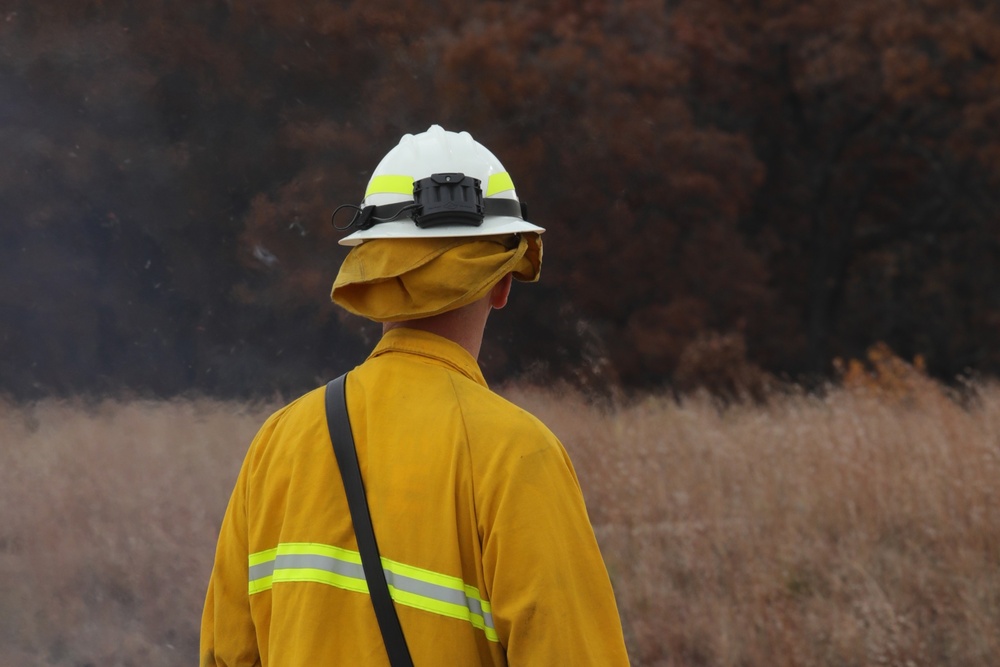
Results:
<point x="861" y="527"/>
<point x="107" y="527"/>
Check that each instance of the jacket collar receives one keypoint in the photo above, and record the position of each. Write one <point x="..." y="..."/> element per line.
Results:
<point x="430" y="346"/>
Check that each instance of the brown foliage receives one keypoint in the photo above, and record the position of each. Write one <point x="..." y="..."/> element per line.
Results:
<point x="816" y="175"/>
<point x="885" y="374"/>
<point x="859" y="112"/>
<point x="718" y="364"/>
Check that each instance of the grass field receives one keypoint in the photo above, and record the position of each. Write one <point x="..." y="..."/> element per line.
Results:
<point x="861" y="527"/>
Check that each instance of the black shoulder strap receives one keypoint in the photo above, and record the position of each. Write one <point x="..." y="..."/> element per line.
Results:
<point x="347" y="460"/>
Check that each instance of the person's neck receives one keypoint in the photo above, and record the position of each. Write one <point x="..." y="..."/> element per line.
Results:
<point x="464" y="326"/>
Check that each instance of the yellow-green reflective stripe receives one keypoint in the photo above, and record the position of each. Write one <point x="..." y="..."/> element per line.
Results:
<point x="403" y="185"/>
<point x="311" y="548"/>
<point x="260" y="584"/>
<point x="499" y="183"/>
<point x="408" y="585"/>
<point x="393" y="185"/>
<point x="464" y="600"/>
<point x="460" y="602"/>
<point x="263" y="556"/>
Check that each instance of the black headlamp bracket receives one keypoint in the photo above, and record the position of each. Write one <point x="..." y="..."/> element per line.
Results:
<point x="448" y="199"/>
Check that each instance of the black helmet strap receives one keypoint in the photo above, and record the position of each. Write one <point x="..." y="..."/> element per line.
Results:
<point x="440" y="199"/>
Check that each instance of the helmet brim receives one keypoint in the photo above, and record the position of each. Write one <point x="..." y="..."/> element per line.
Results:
<point x="405" y="228"/>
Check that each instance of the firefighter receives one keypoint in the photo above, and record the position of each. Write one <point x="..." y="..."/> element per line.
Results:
<point x="477" y="510"/>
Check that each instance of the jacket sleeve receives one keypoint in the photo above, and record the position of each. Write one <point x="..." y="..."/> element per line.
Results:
<point x="228" y="636"/>
<point x="551" y="596"/>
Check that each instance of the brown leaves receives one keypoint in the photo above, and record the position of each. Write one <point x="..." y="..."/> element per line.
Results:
<point x="796" y="173"/>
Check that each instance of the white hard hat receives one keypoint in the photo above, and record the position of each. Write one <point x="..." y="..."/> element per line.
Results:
<point x="438" y="184"/>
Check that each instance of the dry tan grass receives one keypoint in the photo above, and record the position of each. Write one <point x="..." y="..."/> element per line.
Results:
<point x="862" y="528"/>
<point x="108" y="526"/>
<point x="859" y="528"/>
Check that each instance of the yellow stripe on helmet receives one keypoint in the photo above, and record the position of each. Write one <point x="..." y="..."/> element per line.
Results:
<point x="403" y="185"/>
<point x="391" y="185"/>
<point x="499" y="182"/>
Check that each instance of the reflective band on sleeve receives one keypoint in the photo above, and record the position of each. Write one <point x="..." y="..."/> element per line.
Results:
<point x="393" y="185"/>
<point x="410" y="586"/>
<point x="500" y="182"/>
<point x="261" y="569"/>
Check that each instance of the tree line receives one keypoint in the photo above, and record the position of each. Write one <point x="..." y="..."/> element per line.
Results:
<point x="806" y="178"/>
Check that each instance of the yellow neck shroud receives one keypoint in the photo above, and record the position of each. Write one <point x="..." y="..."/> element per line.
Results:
<point x="392" y="280"/>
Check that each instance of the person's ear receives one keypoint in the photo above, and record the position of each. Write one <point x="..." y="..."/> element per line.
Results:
<point x="500" y="292"/>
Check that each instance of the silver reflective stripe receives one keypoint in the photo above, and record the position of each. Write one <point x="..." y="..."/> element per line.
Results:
<point x="258" y="572"/>
<point x="324" y="563"/>
<point x="435" y="592"/>
<point x="410" y="586"/>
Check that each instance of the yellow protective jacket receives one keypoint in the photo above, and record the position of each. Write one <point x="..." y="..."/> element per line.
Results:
<point x="478" y="514"/>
